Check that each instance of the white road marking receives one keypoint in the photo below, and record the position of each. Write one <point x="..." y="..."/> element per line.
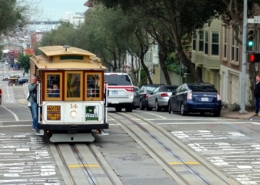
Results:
<point x="204" y="123"/>
<point x="15" y="116"/>
<point x="152" y="114"/>
<point x="15" y="126"/>
<point x="13" y="121"/>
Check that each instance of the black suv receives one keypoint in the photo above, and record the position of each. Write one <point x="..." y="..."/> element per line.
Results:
<point x="21" y="81"/>
<point x="140" y="97"/>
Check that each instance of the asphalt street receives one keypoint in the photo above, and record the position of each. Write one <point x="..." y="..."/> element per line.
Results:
<point x="231" y="146"/>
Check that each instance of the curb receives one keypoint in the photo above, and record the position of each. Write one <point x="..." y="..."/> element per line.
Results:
<point x="237" y="117"/>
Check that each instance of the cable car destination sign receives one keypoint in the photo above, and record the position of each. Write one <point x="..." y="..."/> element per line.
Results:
<point x="53" y="112"/>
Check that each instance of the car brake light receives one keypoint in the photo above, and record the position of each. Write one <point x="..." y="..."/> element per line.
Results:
<point x="129" y="89"/>
<point x="164" y="95"/>
<point x="189" y="97"/>
<point x="218" y="97"/>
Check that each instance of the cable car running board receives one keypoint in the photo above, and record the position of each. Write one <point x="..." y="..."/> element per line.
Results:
<point x="79" y="137"/>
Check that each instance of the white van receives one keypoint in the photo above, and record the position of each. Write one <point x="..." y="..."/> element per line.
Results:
<point x="120" y="91"/>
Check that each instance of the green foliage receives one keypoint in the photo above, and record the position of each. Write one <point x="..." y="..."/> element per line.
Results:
<point x="24" y="62"/>
<point x="234" y="107"/>
<point x="12" y="15"/>
<point x="1" y="52"/>
<point x="163" y="11"/>
<point x="65" y="34"/>
<point x="173" y="66"/>
<point x="143" y="78"/>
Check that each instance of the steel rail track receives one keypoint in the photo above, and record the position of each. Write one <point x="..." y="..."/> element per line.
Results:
<point x="92" y="179"/>
<point x="64" y="164"/>
<point x="203" y="179"/>
<point x="90" y="176"/>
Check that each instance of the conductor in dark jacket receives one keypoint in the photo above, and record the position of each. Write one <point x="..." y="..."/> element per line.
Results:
<point x="257" y="95"/>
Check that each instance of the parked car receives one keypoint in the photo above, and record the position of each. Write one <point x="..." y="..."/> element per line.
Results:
<point x="140" y="97"/>
<point x="190" y="97"/>
<point x="136" y="89"/>
<point x="159" y="98"/>
<point x="21" y="81"/>
<point x="120" y="91"/>
<point x="15" y="76"/>
<point x="5" y="77"/>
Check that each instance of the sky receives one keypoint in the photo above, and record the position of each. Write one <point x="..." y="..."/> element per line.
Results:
<point x="54" y="9"/>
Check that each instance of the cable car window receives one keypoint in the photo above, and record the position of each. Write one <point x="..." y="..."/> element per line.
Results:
<point x="93" y="86"/>
<point x="53" y="86"/>
<point x="73" y="83"/>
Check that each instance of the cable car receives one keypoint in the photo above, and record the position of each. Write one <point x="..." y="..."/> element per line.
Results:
<point x="71" y="94"/>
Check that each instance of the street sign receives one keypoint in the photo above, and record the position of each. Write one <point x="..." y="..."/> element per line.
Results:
<point x="256" y="19"/>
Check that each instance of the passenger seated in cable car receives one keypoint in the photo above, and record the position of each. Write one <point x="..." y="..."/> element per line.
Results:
<point x="56" y="90"/>
<point x="90" y="92"/>
<point x="49" y="91"/>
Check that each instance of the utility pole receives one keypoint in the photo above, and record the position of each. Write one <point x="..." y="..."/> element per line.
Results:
<point x="243" y="73"/>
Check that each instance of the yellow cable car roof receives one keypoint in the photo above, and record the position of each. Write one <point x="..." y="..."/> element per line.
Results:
<point x="51" y="59"/>
<point x="60" y="50"/>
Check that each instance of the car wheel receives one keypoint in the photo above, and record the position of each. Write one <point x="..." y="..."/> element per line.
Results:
<point x="217" y="113"/>
<point x="157" y="106"/>
<point x="141" y="105"/>
<point x="169" y="108"/>
<point x="118" y="109"/>
<point x="183" y="112"/>
<point x="148" y="107"/>
<point x="133" y="106"/>
<point x="129" y="108"/>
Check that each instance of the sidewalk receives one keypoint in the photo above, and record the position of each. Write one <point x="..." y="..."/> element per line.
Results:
<point x="236" y="115"/>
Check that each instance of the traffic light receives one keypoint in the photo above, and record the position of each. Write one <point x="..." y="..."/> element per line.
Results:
<point x="250" y="37"/>
<point x="254" y="57"/>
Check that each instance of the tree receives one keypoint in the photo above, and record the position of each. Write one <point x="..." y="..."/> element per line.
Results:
<point x="12" y="15"/>
<point x="24" y="62"/>
<point x="177" y="17"/>
<point x="112" y="33"/>
<point x="64" y="34"/>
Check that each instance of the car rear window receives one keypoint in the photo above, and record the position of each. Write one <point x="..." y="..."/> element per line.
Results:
<point x="118" y="80"/>
<point x="204" y="88"/>
<point x="150" y="89"/>
<point x="168" y="89"/>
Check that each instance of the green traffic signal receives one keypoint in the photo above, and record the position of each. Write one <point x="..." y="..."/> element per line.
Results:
<point x="250" y="43"/>
<point x="250" y="37"/>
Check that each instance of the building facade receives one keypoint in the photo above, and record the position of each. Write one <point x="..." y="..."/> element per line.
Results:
<point x="231" y="66"/>
<point x="206" y="52"/>
<point x="218" y="58"/>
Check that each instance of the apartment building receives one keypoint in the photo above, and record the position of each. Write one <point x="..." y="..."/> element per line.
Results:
<point x="206" y="52"/>
<point x="231" y="65"/>
<point x="217" y="57"/>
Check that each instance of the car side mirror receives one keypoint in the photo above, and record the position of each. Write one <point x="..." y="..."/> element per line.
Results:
<point x="173" y="93"/>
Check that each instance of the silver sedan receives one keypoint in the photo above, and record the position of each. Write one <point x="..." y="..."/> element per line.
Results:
<point x="160" y="96"/>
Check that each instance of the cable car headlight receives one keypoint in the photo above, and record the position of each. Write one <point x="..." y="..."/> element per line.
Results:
<point x="73" y="114"/>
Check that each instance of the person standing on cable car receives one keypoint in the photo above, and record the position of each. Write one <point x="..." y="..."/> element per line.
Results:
<point x="32" y="88"/>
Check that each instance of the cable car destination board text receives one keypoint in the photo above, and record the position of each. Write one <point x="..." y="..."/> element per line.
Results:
<point x="53" y="112"/>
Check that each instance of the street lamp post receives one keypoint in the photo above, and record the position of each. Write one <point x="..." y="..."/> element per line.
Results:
<point x="243" y="72"/>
